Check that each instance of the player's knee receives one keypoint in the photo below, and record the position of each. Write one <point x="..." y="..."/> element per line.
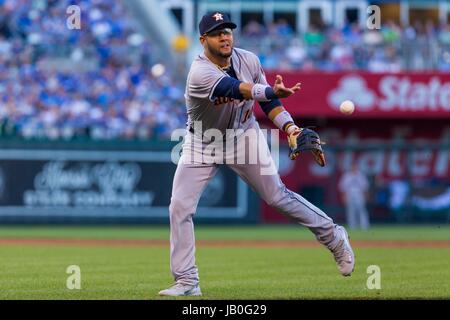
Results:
<point x="275" y="201"/>
<point x="279" y="199"/>
<point x="179" y="208"/>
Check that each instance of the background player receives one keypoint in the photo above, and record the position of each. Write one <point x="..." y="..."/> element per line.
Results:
<point x="354" y="188"/>
<point x="222" y="86"/>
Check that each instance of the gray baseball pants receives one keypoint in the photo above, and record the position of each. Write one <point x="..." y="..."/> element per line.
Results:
<point x="191" y="178"/>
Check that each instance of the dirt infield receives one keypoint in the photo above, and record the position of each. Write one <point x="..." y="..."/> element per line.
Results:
<point x="219" y="243"/>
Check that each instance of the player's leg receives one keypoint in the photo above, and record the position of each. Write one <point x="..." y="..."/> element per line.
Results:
<point x="364" y="216"/>
<point x="267" y="183"/>
<point x="188" y="184"/>
<point x="274" y="192"/>
<point x="271" y="189"/>
<point x="352" y="214"/>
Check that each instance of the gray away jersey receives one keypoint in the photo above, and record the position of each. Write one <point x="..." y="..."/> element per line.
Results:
<point x="221" y="112"/>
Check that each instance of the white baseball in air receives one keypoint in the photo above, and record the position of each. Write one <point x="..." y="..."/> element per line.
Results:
<point x="347" y="107"/>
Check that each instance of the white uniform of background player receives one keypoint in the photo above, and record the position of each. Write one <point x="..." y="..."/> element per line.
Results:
<point x="222" y="86"/>
<point x="354" y="187"/>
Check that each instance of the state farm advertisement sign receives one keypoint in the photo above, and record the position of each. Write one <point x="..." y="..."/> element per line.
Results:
<point x="410" y="95"/>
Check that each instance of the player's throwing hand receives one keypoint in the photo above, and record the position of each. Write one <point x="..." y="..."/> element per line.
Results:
<point x="281" y="91"/>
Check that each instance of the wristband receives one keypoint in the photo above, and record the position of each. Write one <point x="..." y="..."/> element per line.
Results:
<point x="282" y="119"/>
<point x="270" y="94"/>
<point x="263" y="93"/>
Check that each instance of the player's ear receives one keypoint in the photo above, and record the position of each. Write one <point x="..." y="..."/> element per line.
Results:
<point x="202" y="39"/>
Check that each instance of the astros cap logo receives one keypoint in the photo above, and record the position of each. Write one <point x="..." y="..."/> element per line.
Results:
<point x="218" y="16"/>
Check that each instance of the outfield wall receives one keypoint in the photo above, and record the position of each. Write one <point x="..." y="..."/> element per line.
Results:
<point x="408" y="167"/>
<point x="75" y="184"/>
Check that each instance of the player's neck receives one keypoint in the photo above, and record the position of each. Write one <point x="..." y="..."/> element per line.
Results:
<point x="221" y="62"/>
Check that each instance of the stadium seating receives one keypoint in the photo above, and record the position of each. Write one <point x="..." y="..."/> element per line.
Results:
<point x="57" y="83"/>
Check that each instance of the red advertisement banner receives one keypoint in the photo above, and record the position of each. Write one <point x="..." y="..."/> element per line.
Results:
<point x="401" y="95"/>
<point x="391" y="154"/>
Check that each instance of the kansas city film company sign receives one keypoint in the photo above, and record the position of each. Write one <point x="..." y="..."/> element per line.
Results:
<point x="58" y="183"/>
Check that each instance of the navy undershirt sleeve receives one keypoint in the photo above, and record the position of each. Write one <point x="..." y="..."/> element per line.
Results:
<point x="270" y="105"/>
<point x="228" y="87"/>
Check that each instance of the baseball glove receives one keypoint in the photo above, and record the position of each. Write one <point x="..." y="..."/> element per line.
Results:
<point x="306" y="139"/>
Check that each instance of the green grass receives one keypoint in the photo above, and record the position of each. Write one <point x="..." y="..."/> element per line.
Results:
<point x="263" y="232"/>
<point x="39" y="272"/>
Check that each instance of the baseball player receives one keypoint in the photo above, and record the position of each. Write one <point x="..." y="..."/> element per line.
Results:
<point x="222" y="86"/>
<point x="354" y="188"/>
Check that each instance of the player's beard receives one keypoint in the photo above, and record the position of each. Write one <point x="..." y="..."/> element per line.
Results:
<point x="217" y="53"/>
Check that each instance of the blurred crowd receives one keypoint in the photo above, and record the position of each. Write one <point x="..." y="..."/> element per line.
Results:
<point x="100" y="82"/>
<point x="96" y="82"/>
<point x="420" y="46"/>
